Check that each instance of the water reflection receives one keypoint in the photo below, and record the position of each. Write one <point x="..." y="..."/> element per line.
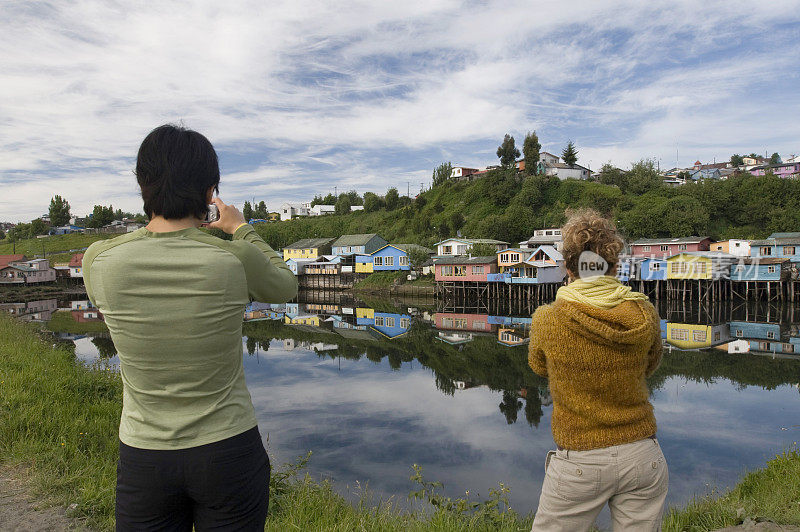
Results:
<point x="373" y="387"/>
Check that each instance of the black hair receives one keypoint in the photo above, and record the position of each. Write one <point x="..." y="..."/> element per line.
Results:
<point x="175" y="168"/>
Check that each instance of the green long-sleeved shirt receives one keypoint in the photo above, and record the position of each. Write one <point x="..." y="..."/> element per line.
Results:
<point x="174" y="304"/>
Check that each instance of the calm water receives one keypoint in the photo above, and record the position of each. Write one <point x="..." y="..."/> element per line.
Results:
<point x="373" y="389"/>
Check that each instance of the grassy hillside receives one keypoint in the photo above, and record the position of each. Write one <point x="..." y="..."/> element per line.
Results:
<point x="55" y="244"/>
<point x="508" y="207"/>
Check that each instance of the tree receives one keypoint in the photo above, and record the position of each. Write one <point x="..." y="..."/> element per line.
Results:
<point x="570" y="154"/>
<point x="530" y="149"/>
<point x="775" y="159"/>
<point x="392" y="199"/>
<point x="736" y="160"/>
<point x="643" y="177"/>
<point x="59" y="211"/>
<point x="457" y="221"/>
<point x="355" y="199"/>
<point x="372" y="202"/>
<point x="261" y="210"/>
<point x="247" y="211"/>
<point x="507" y="152"/>
<point x="611" y="175"/>
<point x="37" y="227"/>
<point x="343" y="204"/>
<point x="417" y="257"/>
<point x="2" y="234"/>
<point x="101" y="216"/>
<point x="754" y="155"/>
<point x="442" y="173"/>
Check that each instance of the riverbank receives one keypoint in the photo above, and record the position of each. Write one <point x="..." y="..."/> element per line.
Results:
<point x="396" y="284"/>
<point x="58" y="420"/>
<point x="13" y="294"/>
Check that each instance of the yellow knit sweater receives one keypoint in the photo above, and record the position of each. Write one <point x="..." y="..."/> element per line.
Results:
<point x="596" y="360"/>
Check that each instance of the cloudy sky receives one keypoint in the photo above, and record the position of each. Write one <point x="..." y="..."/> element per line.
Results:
<point x="302" y="97"/>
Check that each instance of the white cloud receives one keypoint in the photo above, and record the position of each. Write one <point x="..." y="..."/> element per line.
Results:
<point x="285" y="86"/>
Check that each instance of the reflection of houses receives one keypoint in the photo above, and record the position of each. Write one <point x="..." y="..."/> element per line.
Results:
<point x="87" y="315"/>
<point x="391" y="325"/>
<point x="39" y="310"/>
<point x="455" y="338"/>
<point x="76" y="266"/>
<point x="696" y="336"/>
<point x="257" y="311"/>
<point x="464" y="322"/>
<point x="765" y="337"/>
<point x="512" y="337"/>
<point x="80" y="304"/>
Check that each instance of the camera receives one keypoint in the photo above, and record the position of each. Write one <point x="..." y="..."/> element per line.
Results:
<point x="212" y="215"/>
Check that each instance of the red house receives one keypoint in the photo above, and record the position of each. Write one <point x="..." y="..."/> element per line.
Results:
<point x="464" y="322"/>
<point x="661" y="248"/>
<point x="464" y="268"/>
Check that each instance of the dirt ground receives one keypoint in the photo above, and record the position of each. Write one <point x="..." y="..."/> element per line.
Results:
<point x="19" y="512"/>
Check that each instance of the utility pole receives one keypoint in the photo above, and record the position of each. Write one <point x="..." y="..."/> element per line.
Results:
<point x="408" y="189"/>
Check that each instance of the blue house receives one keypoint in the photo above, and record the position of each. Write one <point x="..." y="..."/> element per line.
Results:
<point x="391" y="325"/>
<point x="626" y="268"/>
<point x="761" y="269"/>
<point x="652" y="269"/>
<point x="65" y="230"/>
<point x="777" y="245"/>
<point x="755" y="330"/>
<point x="389" y="258"/>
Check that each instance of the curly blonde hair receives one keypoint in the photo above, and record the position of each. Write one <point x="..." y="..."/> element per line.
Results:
<point x="587" y="230"/>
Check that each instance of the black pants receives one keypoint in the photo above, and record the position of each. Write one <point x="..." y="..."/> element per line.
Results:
<point x="220" y="486"/>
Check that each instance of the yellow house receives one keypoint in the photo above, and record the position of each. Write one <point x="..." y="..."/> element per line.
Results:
<point x="686" y="266"/>
<point x="308" y="248"/>
<point x="274" y="217"/>
<point x="302" y="320"/>
<point x="696" y="336"/>
<point x="367" y="313"/>
<point x="512" y="257"/>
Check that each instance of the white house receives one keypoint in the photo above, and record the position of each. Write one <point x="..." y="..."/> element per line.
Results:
<point x="462" y="246"/>
<point x="548" y="158"/>
<point x="544" y="237"/>
<point x="290" y="210"/>
<point x="319" y="210"/>
<point x="565" y="171"/>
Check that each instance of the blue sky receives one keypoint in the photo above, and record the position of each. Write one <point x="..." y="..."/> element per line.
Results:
<point x="302" y="97"/>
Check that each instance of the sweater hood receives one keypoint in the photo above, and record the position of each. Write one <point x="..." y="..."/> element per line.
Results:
<point x="625" y="324"/>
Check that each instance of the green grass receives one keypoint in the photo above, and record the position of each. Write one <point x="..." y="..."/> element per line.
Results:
<point x="772" y="493"/>
<point x="56" y="244"/>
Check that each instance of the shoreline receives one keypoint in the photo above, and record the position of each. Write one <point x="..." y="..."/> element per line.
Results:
<point x="69" y="413"/>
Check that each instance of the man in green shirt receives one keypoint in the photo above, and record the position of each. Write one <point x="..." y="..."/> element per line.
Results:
<point x="173" y="298"/>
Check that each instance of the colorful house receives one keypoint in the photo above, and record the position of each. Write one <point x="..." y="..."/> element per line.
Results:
<point x="363" y="244"/>
<point x="76" y="266"/>
<point x="785" y="170"/>
<point x="626" y="268"/>
<point x="512" y="257"/>
<point x="27" y="272"/>
<point x="308" y="248"/>
<point x="761" y="269"/>
<point x="697" y="335"/>
<point x="781" y="245"/>
<point x="464" y="322"/>
<point x="298" y="265"/>
<point x="652" y="269"/>
<point x="667" y="247"/>
<point x="740" y="248"/>
<point x="391" y="325"/>
<point x="461" y="268"/>
<point x="512" y="337"/>
<point x="387" y="258"/>
<point x="698" y="265"/>
<point x="463" y="246"/>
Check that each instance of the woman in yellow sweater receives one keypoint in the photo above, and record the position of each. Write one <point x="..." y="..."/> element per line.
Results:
<point x="596" y="344"/>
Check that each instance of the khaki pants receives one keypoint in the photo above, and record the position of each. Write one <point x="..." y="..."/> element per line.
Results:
<point x="632" y="478"/>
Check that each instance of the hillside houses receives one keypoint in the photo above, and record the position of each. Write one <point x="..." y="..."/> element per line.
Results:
<point x="15" y="270"/>
<point x="463" y="246"/>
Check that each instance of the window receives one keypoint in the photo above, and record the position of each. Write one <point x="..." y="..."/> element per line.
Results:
<point x="479" y="325"/>
<point x="682" y="247"/>
<point x="447" y="250"/>
<point x="665" y="247"/>
<point x="771" y="335"/>
<point x="477" y="270"/>
<point x="504" y="257"/>
<point x="655" y="266"/>
<point x="679" y="334"/>
<point x="788" y="250"/>
<point x="378" y="261"/>
<point x="379" y="321"/>
<point x="387" y="261"/>
<point x="389" y="322"/>
<point x="700" y="268"/>
<point x="770" y="269"/>
<point x="645" y="248"/>
<point x="403" y="260"/>
<point x="459" y="271"/>
<point x="447" y="270"/>
<point x="404" y="323"/>
<point x="739" y="268"/>
<point x="764" y="346"/>
<point x="454" y="323"/>
<point x="716" y="336"/>
<point x="699" y="336"/>
<point x="515" y="257"/>
<point x="788" y="348"/>
<point x="678" y="268"/>
<point x="739" y="333"/>
<point x="766" y="250"/>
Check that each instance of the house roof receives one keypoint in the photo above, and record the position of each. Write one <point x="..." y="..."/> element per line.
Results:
<point x="308" y="243"/>
<point x="679" y="240"/>
<point x="764" y="260"/>
<point x="566" y="166"/>
<point x="466" y="260"/>
<point x="550" y="251"/>
<point x="547" y="153"/>
<point x="781" y="241"/>
<point x="707" y="254"/>
<point x="785" y="235"/>
<point x="76" y="261"/>
<point x="410" y="247"/>
<point x="5" y="259"/>
<point x="21" y="268"/>
<point x="354" y="240"/>
<point x="473" y="241"/>
<point x="518" y="250"/>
